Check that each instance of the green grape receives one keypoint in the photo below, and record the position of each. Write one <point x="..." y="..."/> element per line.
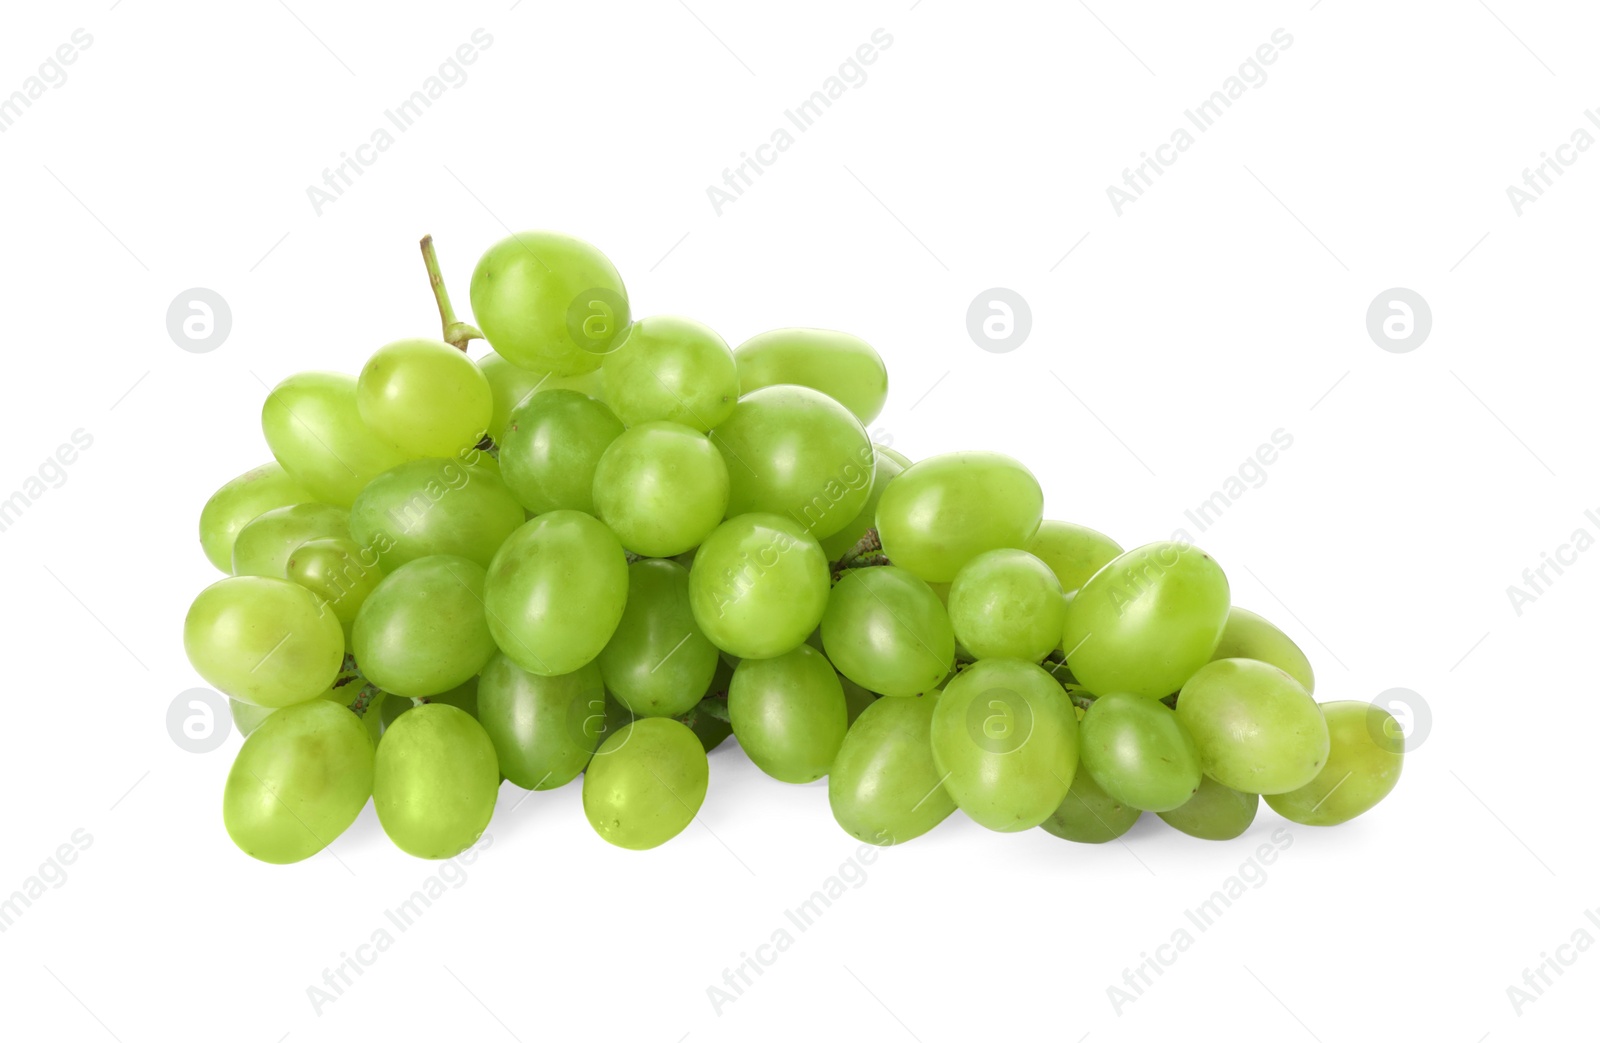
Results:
<point x="444" y="506"/>
<point x="551" y="447"/>
<point x="1090" y="815"/>
<point x="556" y="592"/>
<point x="661" y="487"/>
<point x="265" y="641"/>
<point x="658" y="663"/>
<point x="247" y="717"/>
<point x="796" y="452"/>
<point x="844" y="541"/>
<point x="1073" y="552"/>
<point x="886" y="631"/>
<point x="1215" y="812"/>
<point x="423" y="631"/>
<point x="510" y="384"/>
<point x="435" y="781"/>
<point x="1007" y="604"/>
<point x="301" y="777"/>
<point x="884" y="787"/>
<point x="314" y="429"/>
<point x="1147" y="621"/>
<point x="1005" y="738"/>
<point x="246" y="497"/>
<point x="946" y="510"/>
<point x="841" y="366"/>
<point x="1366" y="750"/>
<point x="667" y="368"/>
<point x="425" y="397"/>
<point x="549" y="302"/>
<point x="544" y="729"/>
<point x="646" y="783"/>
<point x="759" y="586"/>
<point x="789" y="714"/>
<point x="339" y="571"/>
<point x="265" y="544"/>
<point x="1248" y="636"/>
<point x="1256" y="728"/>
<point x="1139" y="752"/>
<point x="856" y="698"/>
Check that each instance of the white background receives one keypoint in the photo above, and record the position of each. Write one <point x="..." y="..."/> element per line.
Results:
<point x="1167" y="344"/>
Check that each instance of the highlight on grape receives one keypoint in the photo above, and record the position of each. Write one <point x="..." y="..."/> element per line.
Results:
<point x="609" y="543"/>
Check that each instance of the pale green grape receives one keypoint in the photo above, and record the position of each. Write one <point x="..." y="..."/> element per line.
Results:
<point x="1005" y="739"/>
<point x="544" y="729"/>
<point x="942" y="512"/>
<point x="1256" y="728"/>
<point x="246" y="497"/>
<point x="646" y="783"/>
<point x="556" y="591"/>
<point x="1007" y="604"/>
<point x="339" y="571"/>
<point x="1090" y="815"/>
<point x="510" y="384"/>
<point x="1139" y="752"/>
<point x="266" y="542"/>
<point x="843" y="541"/>
<point x="669" y="368"/>
<point x="658" y="663"/>
<point x="1147" y="621"/>
<point x="301" y="777"/>
<point x="436" y="506"/>
<point x="661" y="487"/>
<point x="424" y="396"/>
<point x="1073" y="552"/>
<point x="841" y="366"/>
<point x="884" y="787"/>
<point x="796" y="452"/>
<point x="435" y="781"/>
<point x="1248" y="636"/>
<point x="758" y="586"/>
<point x="1215" y="812"/>
<point x="886" y="630"/>
<point x="314" y="428"/>
<point x="1365" y="754"/>
<point x="789" y="713"/>
<point x="265" y="641"/>
<point x="549" y="302"/>
<point x="423" y="631"/>
<point x="551" y="446"/>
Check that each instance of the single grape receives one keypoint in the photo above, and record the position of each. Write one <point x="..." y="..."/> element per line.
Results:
<point x="1215" y="812"/>
<point x="549" y="302"/>
<point x="796" y="452"/>
<point x="1248" y="636"/>
<point x="339" y="571"/>
<point x="843" y="541"/>
<point x="301" y="777"/>
<point x="424" y="396"/>
<point x="646" y="783"/>
<point x="789" y="714"/>
<point x="758" y="586"/>
<point x="658" y="663"/>
<point x="544" y="729"/>
<point x="1256" y="728"/>
<point x="669" y="368"/>
<point x="1147" y="621"/>
<point x="1007" y="604"/>
<point x="1366" y="750"/>
<point x="315" y="430"/>
<point x="265" y="641"/>
<point x="510" y="385"/>
<point x="435" y="781"/>
<point x="1139" y="752"/>
<point x="1005" y="739"/>
<point x="886" y="630"/>
<point x="241" y="500"/>
<point x="1073" y="552"/>
<point x="946" y="510"/>
<point x="661" y="487"/>
<point x="265" y="544"/>
<point x="556" y="592"/>
<point x="436" y="506"/>
<point x="551" y="447"/>
<point x="884" y="787"/>
<point x="841" y="366"/>
<point x="1090" y="815"/>
<point x="423" y="631"/>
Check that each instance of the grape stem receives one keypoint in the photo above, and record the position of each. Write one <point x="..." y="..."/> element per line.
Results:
<point x="867" y="552"/>
<point x="456" y="333"/>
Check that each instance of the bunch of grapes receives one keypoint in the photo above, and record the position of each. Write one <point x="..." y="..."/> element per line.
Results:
<point x="609" y="543"/>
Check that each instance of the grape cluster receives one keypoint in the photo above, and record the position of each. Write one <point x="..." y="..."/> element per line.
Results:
<point x="609" y="543"/>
